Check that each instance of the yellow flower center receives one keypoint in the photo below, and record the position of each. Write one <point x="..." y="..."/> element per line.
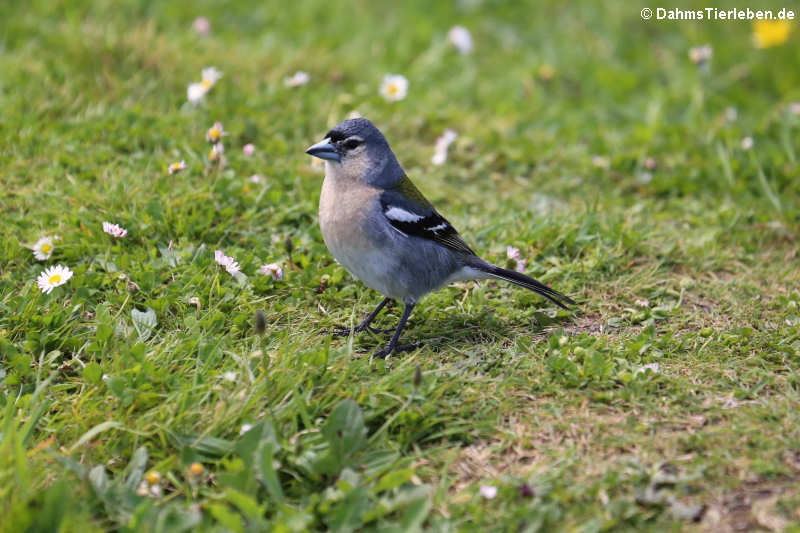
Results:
<point x="392" y="89"/>
<point x="55" y="278"/>
<point x="206" y="84"/>
<point x="213" y="133"/>
<point x="46" y="248"/>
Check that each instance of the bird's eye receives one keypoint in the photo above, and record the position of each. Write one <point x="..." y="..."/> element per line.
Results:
<point x="351" y="143"/>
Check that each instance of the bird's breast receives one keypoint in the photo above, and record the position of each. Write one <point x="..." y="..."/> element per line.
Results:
<point x="343" y="216"/>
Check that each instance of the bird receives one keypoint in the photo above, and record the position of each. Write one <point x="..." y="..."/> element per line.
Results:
<point x="384" y="232"/>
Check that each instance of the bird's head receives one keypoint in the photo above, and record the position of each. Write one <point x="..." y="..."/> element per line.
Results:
<point x="356" y="149"/>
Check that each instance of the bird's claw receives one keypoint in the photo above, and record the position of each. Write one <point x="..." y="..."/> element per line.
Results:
<point x="383" y="353"/>
<point x="342" y="331"/>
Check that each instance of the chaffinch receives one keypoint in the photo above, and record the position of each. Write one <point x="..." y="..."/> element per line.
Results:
<point x="380" y="228"/>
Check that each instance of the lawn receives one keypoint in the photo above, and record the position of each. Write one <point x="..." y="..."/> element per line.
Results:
<point x="154" y="391"/>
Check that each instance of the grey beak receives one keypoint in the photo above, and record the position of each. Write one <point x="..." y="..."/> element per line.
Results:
<point x="324" y="150"/>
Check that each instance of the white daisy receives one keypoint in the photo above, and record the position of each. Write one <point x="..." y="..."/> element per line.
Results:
<point x="53" y="277"/>
<point x="245" y="428"/>
<point x="297" y="79"/>
<point x="600" y="162"/>
<point x="272" y="270"/>
<point x="255" y="178"/>
<point x="699" y="55"/>
<point x="460" y="37"/>
<point x="488" y="491"/>
<point x="176" y="167"/>
<point x="747" y="143"/>
<point x="230" y="375"/>
<point x="248" y="149"/>
<point x="442" y="146"/>
<point x="215" y="154"/>
<point x="230" y="264"/>
<point x="195" y="92"/>
<point x="794" y="108"/>
<point x="210" y="77"/>
<point x="394" y="87"/>
<point x="513" y="254"/>
<point x="655" y="368"/>
<point x="115" y="230"/>
<point x="215" y="133"/>
<point x="202" y="26"/>
<point x="43" y="248"/>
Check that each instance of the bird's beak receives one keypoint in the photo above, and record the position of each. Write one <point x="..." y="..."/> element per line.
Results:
<point x="324" y="150"/>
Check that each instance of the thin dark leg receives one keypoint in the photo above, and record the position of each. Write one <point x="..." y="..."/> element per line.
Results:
<point x="340" y="331"/>
<point x="392" y="346"/>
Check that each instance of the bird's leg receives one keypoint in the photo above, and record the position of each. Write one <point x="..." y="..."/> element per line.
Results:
<point x="341" y="331"/>
<point x="392" y="346"/>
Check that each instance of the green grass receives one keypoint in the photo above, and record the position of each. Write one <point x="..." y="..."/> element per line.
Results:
<point x="682" y="252"/>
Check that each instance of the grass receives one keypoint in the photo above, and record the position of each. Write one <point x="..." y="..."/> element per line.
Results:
<point x="667" y="401"/>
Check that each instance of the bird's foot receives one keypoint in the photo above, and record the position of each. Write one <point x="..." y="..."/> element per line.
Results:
<point x="343" y="331"/>
<point x="382" y="354"/>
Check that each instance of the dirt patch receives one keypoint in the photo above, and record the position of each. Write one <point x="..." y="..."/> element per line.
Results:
<point x="753" y="507"/>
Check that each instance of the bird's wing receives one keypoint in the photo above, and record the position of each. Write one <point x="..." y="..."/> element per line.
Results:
<point x="408" y="211"/>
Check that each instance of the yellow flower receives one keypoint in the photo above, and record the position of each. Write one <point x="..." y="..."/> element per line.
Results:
<point x="768" y="33"/>
<point x="196" y="469"/>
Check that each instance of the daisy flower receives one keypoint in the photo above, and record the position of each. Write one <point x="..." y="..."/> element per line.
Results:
<point x="202" y="26"/>
<point x="460" y="37"/>
<point x="43" y="248"/>
<point x="699" y="55"/>
<point x="215" y="154"/>
<point x="229" y="263"/>
<point x="442" y="146"/>
<point x="488" y="491"/>
<point x="176" y="167"/>
<point x="195" y="92"/>
<point x="297" y="79"/>
<point x="248" y="149"/>
<point x="255" y="178"/>
<point x="210" y="77"/>
<point x="215" y="133"/>
<point x="394" y="87"/>
<point x="600" y="162"/>
<point x="794" y="108"/>
<point x="53" y="277"/>
<point x="230" y="375"/>
<point x="115" y="230"/>
<point x="747" y="143"/>
<point x="767" y="33"/>
<point x="513" y="254"/>
<point x="272" y="270"/>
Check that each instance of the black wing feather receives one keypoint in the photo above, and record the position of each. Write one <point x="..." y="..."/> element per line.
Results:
<point x="428" y="224"/>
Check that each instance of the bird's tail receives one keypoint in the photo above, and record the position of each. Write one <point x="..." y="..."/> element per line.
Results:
<point x="494" y="271"/>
